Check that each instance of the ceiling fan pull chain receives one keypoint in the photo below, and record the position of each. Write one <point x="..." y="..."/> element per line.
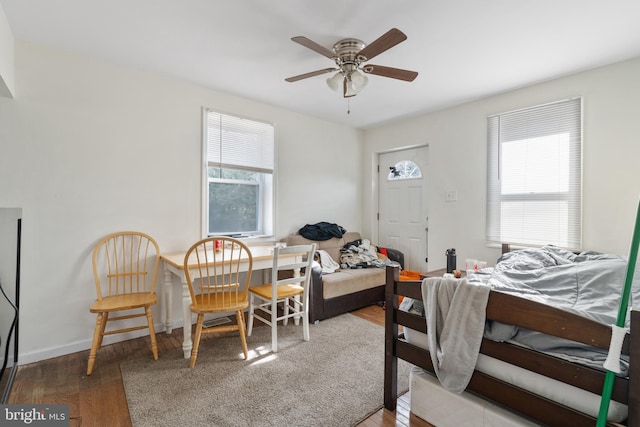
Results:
<point x="348" y="106"/>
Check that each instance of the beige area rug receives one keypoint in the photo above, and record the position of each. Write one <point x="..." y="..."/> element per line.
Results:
<point x="336" y="379"/>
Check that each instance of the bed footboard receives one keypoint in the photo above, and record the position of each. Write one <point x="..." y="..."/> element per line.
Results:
<point x="526" y="314"/>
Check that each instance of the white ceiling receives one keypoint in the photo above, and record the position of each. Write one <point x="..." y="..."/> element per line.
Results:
<point x="462" y="49"/>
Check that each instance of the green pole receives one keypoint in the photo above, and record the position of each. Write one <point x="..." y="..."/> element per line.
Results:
<point x="621" y="320"/>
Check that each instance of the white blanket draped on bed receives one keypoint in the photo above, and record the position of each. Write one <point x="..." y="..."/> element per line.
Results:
<point x="455" y="311"/>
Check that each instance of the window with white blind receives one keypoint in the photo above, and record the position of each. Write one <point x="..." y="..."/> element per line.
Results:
<point x="239" y="185"/>
<point x="534" y="182"/>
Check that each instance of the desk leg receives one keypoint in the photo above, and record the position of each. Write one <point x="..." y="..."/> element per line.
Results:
<point x="167" y="300"/>
<point x="187" y="344"/>
<point x="296" y="320"/>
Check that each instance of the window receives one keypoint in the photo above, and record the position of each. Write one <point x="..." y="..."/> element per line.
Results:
<point x="534" y="183"/>
<point x="239" y="180"/>
<point x="404" y="169"/>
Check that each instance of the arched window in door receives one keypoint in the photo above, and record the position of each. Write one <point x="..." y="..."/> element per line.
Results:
<point x="404" y="169"/>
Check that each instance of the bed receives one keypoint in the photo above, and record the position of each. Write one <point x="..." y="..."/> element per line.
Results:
<point x="516" y="384"/>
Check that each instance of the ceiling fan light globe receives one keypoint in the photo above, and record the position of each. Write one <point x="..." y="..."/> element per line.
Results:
<point x="335" y="82"/>
<point x="358" y="81"/>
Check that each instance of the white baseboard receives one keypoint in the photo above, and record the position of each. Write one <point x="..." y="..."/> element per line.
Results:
<point x="51" y="352"/>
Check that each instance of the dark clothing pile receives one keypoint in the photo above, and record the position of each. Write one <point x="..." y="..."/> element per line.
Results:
<point x="321" y="231"/>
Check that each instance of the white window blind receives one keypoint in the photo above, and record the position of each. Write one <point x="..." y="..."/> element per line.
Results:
<point x="238" y="143"/>
<point x="534" y="182"/>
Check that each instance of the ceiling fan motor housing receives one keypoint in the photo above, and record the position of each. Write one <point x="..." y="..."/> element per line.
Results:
<point x="346" y="51"/>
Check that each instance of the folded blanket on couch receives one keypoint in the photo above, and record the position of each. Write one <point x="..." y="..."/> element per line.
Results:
<point x="327" y="263"/>
<point x="455" y="311"/>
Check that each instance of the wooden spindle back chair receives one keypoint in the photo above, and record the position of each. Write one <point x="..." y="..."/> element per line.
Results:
<point x="218" y="272"/>
<point x="125" y="269"/>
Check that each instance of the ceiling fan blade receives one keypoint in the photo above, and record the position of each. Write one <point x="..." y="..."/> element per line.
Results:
<point x="311" y="74"/>
<point x="314" y="46"/>
<point x="381" y="44"/>
<point x="394" y="73"/>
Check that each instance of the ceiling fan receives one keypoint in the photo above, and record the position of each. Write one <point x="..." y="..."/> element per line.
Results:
<point x="350" y="56"/>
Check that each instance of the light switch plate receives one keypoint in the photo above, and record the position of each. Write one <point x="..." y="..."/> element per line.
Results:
<point x="451" y="196"/>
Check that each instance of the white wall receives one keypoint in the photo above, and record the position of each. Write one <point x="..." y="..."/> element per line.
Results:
<point x="6" y="57"/>
<point x="90" y="148"/>
<point x="457" y="140"/>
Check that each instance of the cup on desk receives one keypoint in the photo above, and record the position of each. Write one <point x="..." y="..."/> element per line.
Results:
<point x="473" y="265"/>
<point x="470" y="265"/>
<point x="218" y="245"/>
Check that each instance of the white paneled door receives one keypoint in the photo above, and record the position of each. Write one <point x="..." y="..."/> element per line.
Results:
<point x="403" y="209"/>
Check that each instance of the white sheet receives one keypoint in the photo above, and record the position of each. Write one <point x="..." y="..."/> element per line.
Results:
<point x="573" y="397"/>
<point x="442" y="408"/>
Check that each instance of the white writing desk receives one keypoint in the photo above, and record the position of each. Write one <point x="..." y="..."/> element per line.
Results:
<point x="174" y="265"/>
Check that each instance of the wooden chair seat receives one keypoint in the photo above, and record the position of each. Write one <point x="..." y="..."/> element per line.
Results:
<point x="284" y="291"/>
<point x="123" y="302"/>
<point x="205" y="304"/>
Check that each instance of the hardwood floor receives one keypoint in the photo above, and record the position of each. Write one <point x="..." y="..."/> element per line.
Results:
<point x="99" y="400"/>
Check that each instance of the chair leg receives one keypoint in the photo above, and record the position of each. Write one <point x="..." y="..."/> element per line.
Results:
<point x="105" y="319"/>
<point x="305" y="318"/>
<point x="305" y="325"/>
<point x="244" y="319"/>
<point x="152" y="333"/>
<point x="196" y="340"/>
<point x="296" y="307"/>
<point x="97" y="340"/>
<point x="241" y="328"/>
<point x="250" y="322"/>
<point x="285" y="309"/>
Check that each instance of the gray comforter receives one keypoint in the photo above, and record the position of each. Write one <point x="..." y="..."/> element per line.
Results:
<point x="589" y="284"/>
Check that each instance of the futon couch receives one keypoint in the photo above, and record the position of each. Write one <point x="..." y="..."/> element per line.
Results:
<point x="347" y="289"/>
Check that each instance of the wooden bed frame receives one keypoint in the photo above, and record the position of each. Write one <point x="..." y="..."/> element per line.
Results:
<point x="527" y="314"/>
